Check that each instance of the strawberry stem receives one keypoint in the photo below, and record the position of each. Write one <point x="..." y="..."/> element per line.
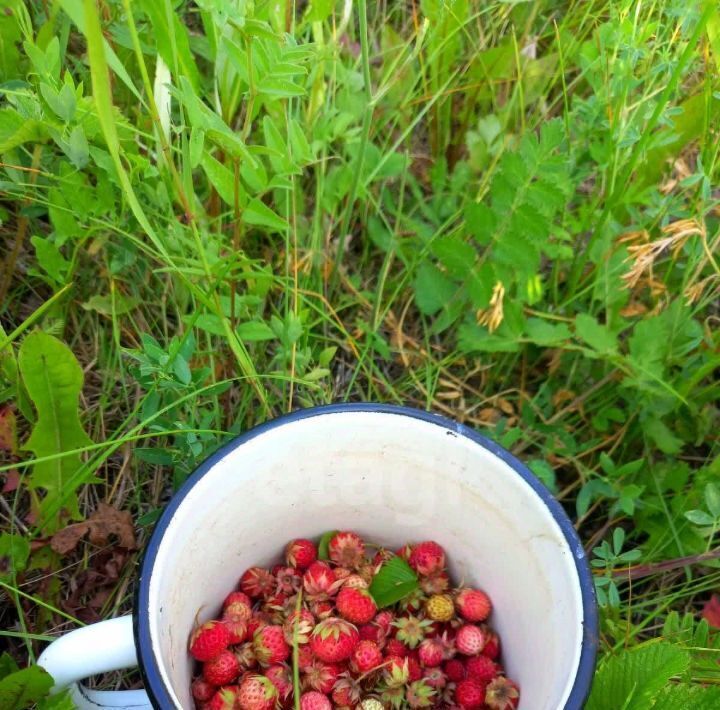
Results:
<point x="296" y="652"/>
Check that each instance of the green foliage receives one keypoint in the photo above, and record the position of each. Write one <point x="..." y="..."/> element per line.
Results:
<point x="20" y="689"/>
<point x="53" y="379"/>
<point x="394" y="581"/>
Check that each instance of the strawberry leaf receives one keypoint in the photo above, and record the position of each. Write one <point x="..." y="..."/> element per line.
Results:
<point x="393" y="582"/>
<point x="323" y="553"/>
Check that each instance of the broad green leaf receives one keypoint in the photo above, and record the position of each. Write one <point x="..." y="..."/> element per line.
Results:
<point x="633" y="679"/>
<point x="546" y="333"/>
<point x="456" y="255"/>
<point x="320" y="10"/>
<point x="393" y="582"/>
<point x="433" y="289"/>
<point x="7" y="665"/>
<point x="476" y="338"/>
<point x="54" y="379"/>
<point x="221" y="179"/>
<point x="61" y="701"/>
<point x="323" y="544"/>
<point x="14" y="553"/>
<point x="598" y="337"/>
<point x="661" y="434"/>
<point x="259" y="214"/>
<point x="684" y="696"/>
<point x="117" y="304"/>
<point x="699" y="517"/>
<point x="712" y="499"/>
<point x="52" y="262"/>
<point x="255" y="331"/>
<point x="16" y="130"/>
<point x="21" y="689"/>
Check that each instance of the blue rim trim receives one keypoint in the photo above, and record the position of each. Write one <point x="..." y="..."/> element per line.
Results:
<point x="150" y="670"/>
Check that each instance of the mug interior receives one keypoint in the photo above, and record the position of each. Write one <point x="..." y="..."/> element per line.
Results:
<point x="393" y="477"/>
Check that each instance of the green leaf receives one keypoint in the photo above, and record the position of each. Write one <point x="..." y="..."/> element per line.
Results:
<point x="117" y="304"/>
<point x="54" y="379"/>
<point x="688" y="697"/>
<point x="323" y="544"/>
<point x="598" y="337"/>
<point x="456" y="255"/>
<point x="712" y="499"/>
<point x="51" y="261"/>
<point x="634" y="678"/>
<point x="7" y="665"/>
<point x="433" y="289"/>
<point x="14" y="553"/>
<point x="254" y="331"/>
<point x="700" y="517"/>
<point x="62" y="701"/>
<point x="393" y="582"/>
<point x="23" y="688"/>
<point x="661" y="434"/>
<point x="545" y="333"/>
<point x="16" y="130"/>
<point x="259" y="214"/>
<point x="475" y="338"/>
<point x="220" y="178"/>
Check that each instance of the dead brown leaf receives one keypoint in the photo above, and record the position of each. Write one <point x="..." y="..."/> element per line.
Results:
<point x="103" y="523"/>
<point x="8" y="430"/>
<point x="12" y="481"/>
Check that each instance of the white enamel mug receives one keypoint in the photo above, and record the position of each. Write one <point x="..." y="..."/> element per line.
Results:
<point x="394" y="475"/>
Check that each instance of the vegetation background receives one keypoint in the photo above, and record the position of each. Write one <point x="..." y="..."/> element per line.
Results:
<point x="213" y="212"/>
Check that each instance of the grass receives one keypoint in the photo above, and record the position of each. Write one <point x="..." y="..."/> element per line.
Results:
<point x="502" y="212"/>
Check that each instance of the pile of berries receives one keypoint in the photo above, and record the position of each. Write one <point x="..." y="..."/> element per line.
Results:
<point x="316" y="622"/>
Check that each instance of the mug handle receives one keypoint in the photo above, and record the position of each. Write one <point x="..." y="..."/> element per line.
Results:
<point x="98" y="648"/>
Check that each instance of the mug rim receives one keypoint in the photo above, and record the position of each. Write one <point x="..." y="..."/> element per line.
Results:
<point x="147" y="661"/>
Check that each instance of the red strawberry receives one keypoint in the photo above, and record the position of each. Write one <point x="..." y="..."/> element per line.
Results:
<point x="427" y="558"/>
<point x="481" y="668"/>
<point x="435" y="583"/>
<point x="347" y="691"/>
<point x="396" y="671"/>
<point x="224" y="699"/>
<point x="246" y="655"/>
<point x="347" y="549"/>
<point x="235" y="597"/>
<point x="384" y="619"/>
<point x="270" y="646"/>
<point x="280" y="678"/>
<point x="305" y="657"/>
<point x="300" y="553"/>
<point x="470" y="640"/>
<point x="415" y="671"/>
<point x="395" y="647"/>
<point x="318" y="580"/>
<point x="209" y="640"/>
<point x="257" y="582"/>
<point x="322" y="609"/>
<point x="473" y="604"/>
<point x="320" y="676"/>
<point x="366" y="656"/>
<point x="355" y="605"/>
<point x="258" y="620"/>
<point x="492" y="646"/>
<point x="334" y="640"/>
<point x="370" y="632"/>
<point x="238" y="610"/>
<point x="305" y="624"/>
<point x="288" y="580"/>
<point x="314" y="701"/>
<point x="405" y="551"/>
<point x="257" y="693"/>
<point x="435" y="677"/>
<point x="502" y="694"/>
<point x="221" y="670"/>
<point x="201" y="690"/>
<point x="237" y="629"/>
<point x="431" y="652"/>
<point x="454" y="670"/>
<point x="470" y="694"/>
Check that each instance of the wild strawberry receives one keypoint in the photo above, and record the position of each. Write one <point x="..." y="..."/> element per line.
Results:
<point x="257" y="582"/>
<point x="238" y="610"/>
<point x="246" y="655"/>
<point x="270" y="646"/>
<point x="354" y="581"/>
<point x="322" y="609"/>
<point x="347" y="691"/>
<point x="346" y="549"/>
<point x="502" y="694"/>
<point x="235" y="597"/>
<point x="431" y="652"/>
<point x="392" y="695"/>
<point x="481" y="668"/>
<point x="435" y="677"/>
<point x="209" y="641"/>
<point x="288" y="580"/>
<point x="395" y="647"/>
<point x="304" y="623"/>
<point x="381" y="556"/>
<point x="448" y="644"/>
<point x="435" y="583"/>
<point x="314" y="701"/>
<point x="411" y="630"/>
<point x="454" y="670"/>
<point x="370" y="632"/>
<point x="355" y="605"/>
<point x="473" y="604"/>
<point x="405" y="551"/>
<point x="366" y="656"/>
<point x="440" y="607"/>
<point x="427" y="558"/>
<point x="221" y="670"/>
<point x="300" y="553"/>
<point x="224" y="699"/>
<point x="470" y="640"/>
<point x="201" y="690"/>
<point x="318" y="580"/>
<point x="470" y="694"/>
<point x="414" y="601"/>
<point x="419" y="694"/>
<point x="492" y="645"/>
<point x="237" y="629"/>
<point x="384" y="619"/>
<point x="395" y="671"/>
<point x="305" y="657"/>
<point x="320" y="676"/>
<point x="257" y="693"/>
<point x="334" y="640"/>
<point x="257" y="621"/>
<point x="280" y="677"/>
<point x="415" y="671"/>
